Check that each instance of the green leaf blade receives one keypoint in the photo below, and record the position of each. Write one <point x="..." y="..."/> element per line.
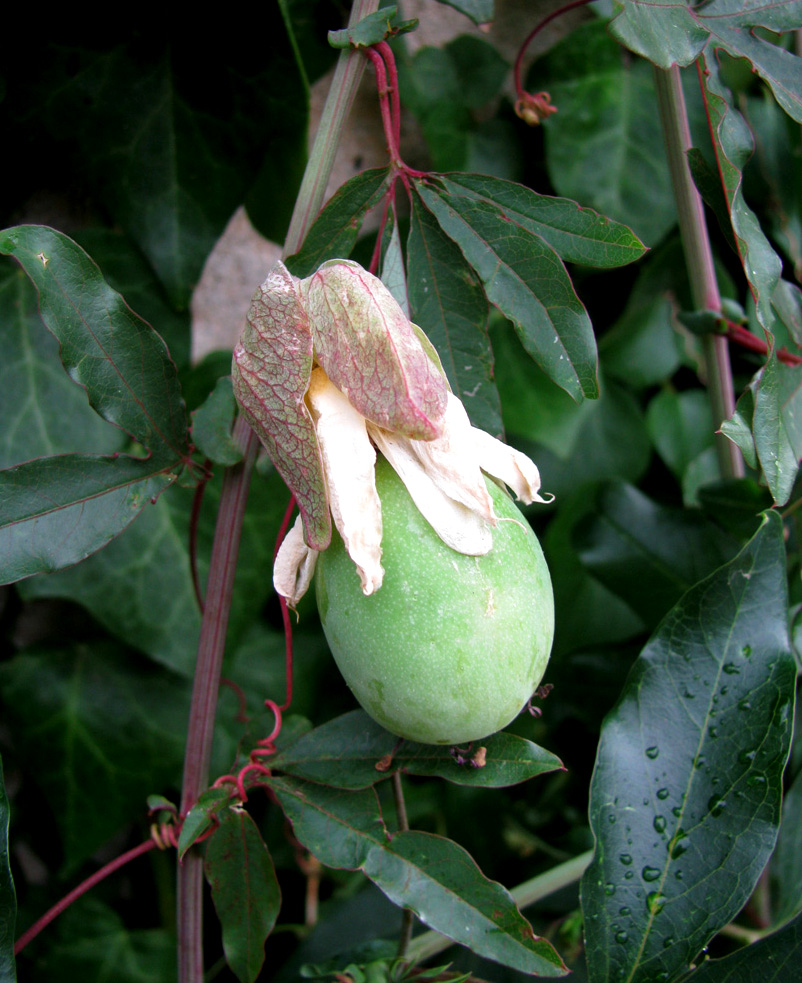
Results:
<point x="694" y="815"/>
<point x="118" y="358"/>
<point x="526" y="280"/>
<point x="245" y="891"/>
<point x="448" y="303"/>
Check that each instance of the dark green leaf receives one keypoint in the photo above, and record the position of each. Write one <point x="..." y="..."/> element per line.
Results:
<point x="335" y="230"/>
<point x="739" y="427"/>
<point x="128" y="272"/>
<point x="201" y="817"/>
<point x="685" y="798"/>
<point x="376" y="27"/>
<point x="708" y="183"/>
<point x="680" y="426"/>
<point x="777" y="425"/>
<point x="786" y="864"/>
<point x="647" y="553"/>
<point x="732" y="143"/>
<point x="604" y="147"/>
<point x="106" y="733"/>
<point x="448" y="303"/>
<point x="774" y="959"/>
<point x="345" y="753"/>
<point x="106" y="348"/>
<point x="526" y="280"/>
<point x="140" y="586"/>
<point x="43" y="412"/>
<point x="8" y="897"/>
<point x="94" y="946"/>
<point x="479" y="11"/>
<point x="579" y="235"/>
<point x="669" y="31"/>
<point x="56" y="511"/>
<point x="245" y="891"/>
<point x="431" y="875"/>
<point x="212" y="423"/>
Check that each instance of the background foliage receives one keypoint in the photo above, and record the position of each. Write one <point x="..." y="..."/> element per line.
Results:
<point x="676" y="589"/>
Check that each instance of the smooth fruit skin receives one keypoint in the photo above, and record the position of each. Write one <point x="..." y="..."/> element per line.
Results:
<point x="451" y="647"/>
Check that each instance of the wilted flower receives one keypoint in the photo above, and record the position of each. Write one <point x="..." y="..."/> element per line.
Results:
<point x="328" y="369"/>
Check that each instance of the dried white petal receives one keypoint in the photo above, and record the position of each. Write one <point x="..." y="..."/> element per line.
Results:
<point x="512" y="467"/>
<point x="294" y="566"/>
<point x="349" y="463"/>
<point x="456" y="524"/>
<point x="452" y="463"/>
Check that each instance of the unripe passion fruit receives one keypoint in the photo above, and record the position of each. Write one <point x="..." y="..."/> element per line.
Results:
<point x="451" y="647"/>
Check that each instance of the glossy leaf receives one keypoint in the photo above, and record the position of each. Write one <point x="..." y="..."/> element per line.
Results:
<point x="43" y="412"/>
<point x="580" y="235"/>
<point x="685" y="797"/>
<point x="647" y="553"/>
<point x="732" y="143"/>
<point x="669" y="31"/>
<point x="212" y="423"/>
<point x="526" y="280"/>
<point x="739" y="426"/>
<point x="8" y="897"/>
<point x="604" y="146"/>
<point x="333" y="233"/>
<point x="108" y="732"/>
<point x="777" y="425"/>
<point x="245" y="891"/>
<point x="772" y="959"/>
<point x="450" y="306"/>
<point x="354" y="752"/>
<point x="433" y="876"/>
<point x="57" y="511"/>
<point x="140" y="587"/>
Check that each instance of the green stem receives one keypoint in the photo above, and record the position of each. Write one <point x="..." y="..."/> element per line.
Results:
<point x="229" y="529"/>
<point x="698" y="259"/>
<point x="431" y="943"/>
<point x="407" y="919"/>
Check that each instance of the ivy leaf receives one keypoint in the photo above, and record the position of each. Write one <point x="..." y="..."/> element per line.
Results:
<point x="670" y="32"/>
<point x="335" y="230"/>
<point x="433" y="876"/>
<point x="245" y="891"/>
<point x="56" y="511"/>
<point x="345" y="753"/>
<point x="686" y="793"/>
<point x="8" y="897"/>
<point x="732" y="143"/>
<point x="108" y="732"/>
<point x="450" y="306"/>
<point x="524" y="277"/>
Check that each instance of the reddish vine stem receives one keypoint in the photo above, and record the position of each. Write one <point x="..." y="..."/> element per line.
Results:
<point x="746" y="339"/>
<point x="81" y="889"/>
<point x="194" y="518"/>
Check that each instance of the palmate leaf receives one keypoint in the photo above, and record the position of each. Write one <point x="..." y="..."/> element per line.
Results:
<point x="685" y="797"/>
<point x="8" y="898"/>
<point x="56" y="511"/>
<point x="433" y="876"/>
<point x="671" y="32"/>
<point x="524" y="277"/>
<point x="245" y="891"/>
<point x="345" y="751"/>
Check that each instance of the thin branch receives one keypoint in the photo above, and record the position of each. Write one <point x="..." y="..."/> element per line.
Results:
<point x="407" y="919"/>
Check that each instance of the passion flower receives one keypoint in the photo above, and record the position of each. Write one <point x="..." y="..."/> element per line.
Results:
<point x="452" y="646"/>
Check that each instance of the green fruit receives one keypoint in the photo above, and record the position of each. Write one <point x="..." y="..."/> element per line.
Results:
<point x="451" y="647"/>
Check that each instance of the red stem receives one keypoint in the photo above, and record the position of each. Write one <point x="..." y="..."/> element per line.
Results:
<point x="746" y="339"/>
<point x="518" y="70"/>
<point x="386" y="52"/>
<point x="82" y="888"/>
<point x="197" y="502"/>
